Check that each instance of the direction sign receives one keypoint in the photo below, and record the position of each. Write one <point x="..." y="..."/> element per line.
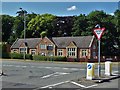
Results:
<point x="98" y="32"/>
<point x="89" y="66"/>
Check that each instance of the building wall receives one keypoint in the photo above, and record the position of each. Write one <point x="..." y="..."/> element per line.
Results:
<point x="47" y="42"/>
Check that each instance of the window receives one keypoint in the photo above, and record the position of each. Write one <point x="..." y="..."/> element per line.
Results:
<point x="42" y="46"/>
<point x="43" y="54"/>
<point x="60" y="52"/>
<point x="94" y="54"/>
<point x="50" y="47"/>
<point x="94" y="47"/>
<point x="71" y="52"/>
<point x="84" y="52"/>
<point x="22" y="50"/>
<point x="50" y="54"/>
<point x="33" y="51"/>
<point x="14" y="51"/>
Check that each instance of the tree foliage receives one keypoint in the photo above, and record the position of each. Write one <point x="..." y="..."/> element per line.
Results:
<point x="55" y="26"/>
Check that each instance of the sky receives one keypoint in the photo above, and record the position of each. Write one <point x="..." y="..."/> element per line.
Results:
<point x="59" y="8"/>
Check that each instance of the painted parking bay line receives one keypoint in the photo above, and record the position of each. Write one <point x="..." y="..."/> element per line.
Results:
<point x="80" y="85"/>
<point x="54" y="74"/>
<point x="52" y="85"/>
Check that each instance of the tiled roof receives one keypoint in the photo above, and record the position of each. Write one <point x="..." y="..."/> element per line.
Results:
<point x="60" y="42"/>
<point x="31" y="42"/>
<point x="81" y="41"/>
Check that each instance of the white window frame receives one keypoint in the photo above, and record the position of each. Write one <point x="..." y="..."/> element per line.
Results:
<point x="51" y="45"/>
<point x="59" y="52"/>
<point x="84" y="52"/>
<point x="42" y="45"/>
<point x="71" y="51"/>
<point x="23" y="51"/>
<point x="33" y="51"/>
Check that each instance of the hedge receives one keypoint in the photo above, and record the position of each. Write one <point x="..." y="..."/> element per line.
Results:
<point x="20" y="56"/>
<point x="5" y="55"/>
<point x="49" y="58"/>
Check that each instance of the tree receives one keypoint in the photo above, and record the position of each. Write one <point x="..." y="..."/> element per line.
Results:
<point x="79" y="26"/>
<point x="7" y="24"/>
<point x="42" y="23"/>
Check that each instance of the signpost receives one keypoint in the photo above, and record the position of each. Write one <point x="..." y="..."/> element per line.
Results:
<point x="98" y="32"/>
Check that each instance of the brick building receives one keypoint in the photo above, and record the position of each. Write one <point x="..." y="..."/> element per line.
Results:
<point x="70" y="47"/>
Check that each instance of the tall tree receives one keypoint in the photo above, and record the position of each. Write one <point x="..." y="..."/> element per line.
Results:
<point x="7" y="23"/>
<point x="79" y="26"/>
<point x="42" y="23"/>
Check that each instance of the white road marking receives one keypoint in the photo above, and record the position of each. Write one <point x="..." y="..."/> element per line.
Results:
<point x="56" y="67"/>
<point x="78" y="84"/>
<point x="52" y="85"/>
<point x="46" y="76"/>
<point x="65" y="68"/>
<point x="115" y="71"/>
<point x="54" y="74"/>
<point x="24" y="66"/>
<point x="92" y="86"/>
<point x="48" y="67"/>
<point x="74" y="69"/>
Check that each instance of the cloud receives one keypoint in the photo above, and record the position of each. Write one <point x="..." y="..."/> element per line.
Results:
<point x="111" y="14"/>
<point x="72" y="8"/>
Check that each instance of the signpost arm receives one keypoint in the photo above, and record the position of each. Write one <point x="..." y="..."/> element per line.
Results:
<point x="99" y="66"/>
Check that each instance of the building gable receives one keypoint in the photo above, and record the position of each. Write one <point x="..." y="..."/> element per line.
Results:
<point x="72" y="44"/>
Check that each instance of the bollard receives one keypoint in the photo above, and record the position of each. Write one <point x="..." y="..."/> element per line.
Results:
<point x="108" y="68"/>
<point x="90" y="71"/>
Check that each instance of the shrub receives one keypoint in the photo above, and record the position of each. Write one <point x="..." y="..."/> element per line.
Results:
<point x="20" y="56"/>
<point x="28" y="56"/>
<point x="49" y="58"/>
<point x="16" y="56"/>
<point x="40" y="58"/>
<point x="5" y="55"/>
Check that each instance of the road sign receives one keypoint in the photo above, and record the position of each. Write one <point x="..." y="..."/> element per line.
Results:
<point x="89" y="66"/>
<point x="98" y="32"/>
<point x="90" y="71"/>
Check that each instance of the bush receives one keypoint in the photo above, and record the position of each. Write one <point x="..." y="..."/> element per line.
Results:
<point x="28" y="56"/>
<point x="5" y="55"/>
<point x="40" y="58"/>
<point x="49" y="58"/>
<point x="16" y="56"/>
<point x="20" y="56"/>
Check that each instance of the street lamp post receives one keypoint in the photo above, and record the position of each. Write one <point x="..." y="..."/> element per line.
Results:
<point x="23" y="13"/>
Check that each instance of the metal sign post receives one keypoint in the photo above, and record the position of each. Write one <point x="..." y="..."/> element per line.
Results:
<point x="99" y="66"/>
<point x="98" y="32"/>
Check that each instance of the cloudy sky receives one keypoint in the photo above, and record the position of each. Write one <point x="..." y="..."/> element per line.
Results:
<point x="59" y="8"/>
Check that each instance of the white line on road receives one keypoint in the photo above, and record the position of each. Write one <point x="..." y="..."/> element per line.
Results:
<point x="52" y="85"/>
<point x="48" y="67"/>
<point x="46" y="76"/>
<point x="65" y="68"/>
<point x="54" y="74"/>
<point x="92" y="86"/>
<point x="78" y="84"/>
